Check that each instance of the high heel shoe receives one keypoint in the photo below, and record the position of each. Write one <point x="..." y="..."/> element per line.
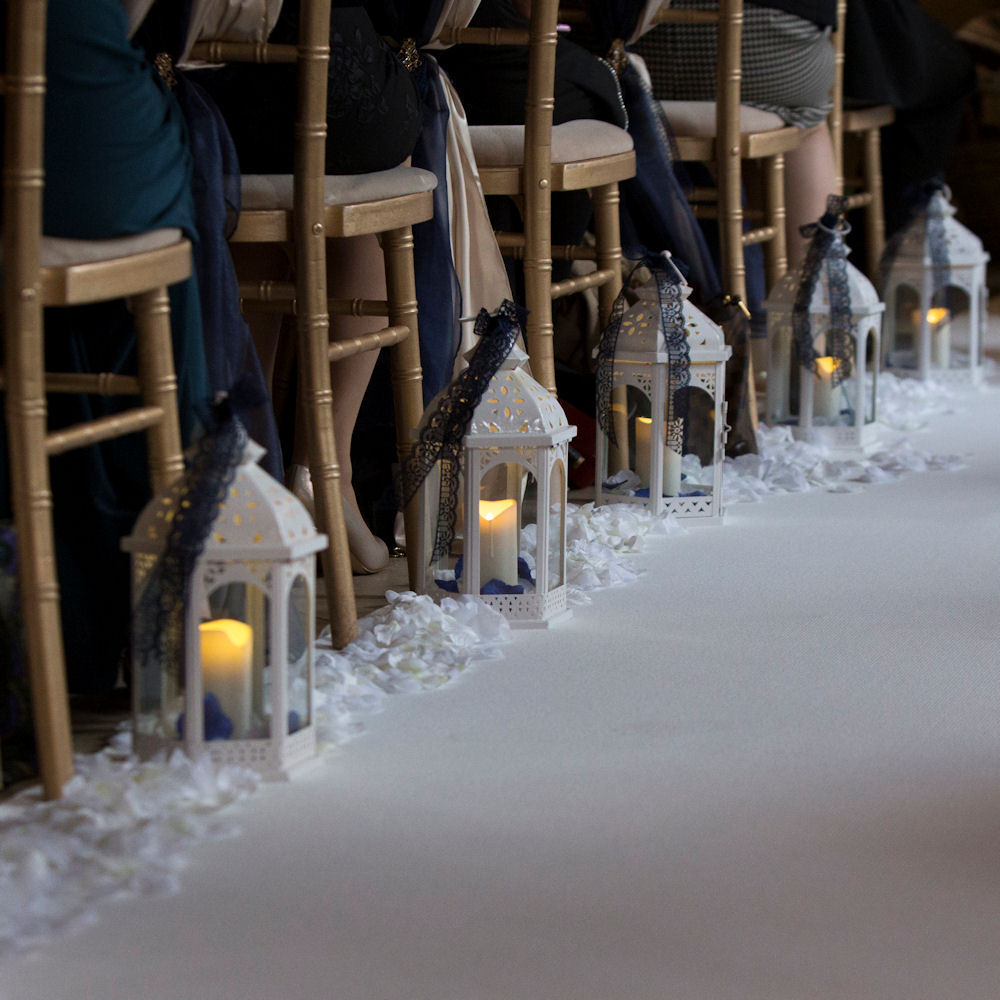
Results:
<point x="368" y="553"/>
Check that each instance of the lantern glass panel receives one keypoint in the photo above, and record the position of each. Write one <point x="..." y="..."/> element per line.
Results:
<point x="299" y="655"/>
<point x="832" y="399"/>
<point x="506" y="493"/>
<point x="159" y="689"/>
<point x="235" y="660"/>
<point x="557" y="527"/>
<point x="951" y="338"/>
<point x="901" y="348"/>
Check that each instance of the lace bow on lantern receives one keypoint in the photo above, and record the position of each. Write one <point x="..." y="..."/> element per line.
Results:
<point x="161" y="608"/>
<point x="828" y="251"/>
<point x="440" y="439"/>
<point x="929" y="201"/>
<point x="669" y="285"/>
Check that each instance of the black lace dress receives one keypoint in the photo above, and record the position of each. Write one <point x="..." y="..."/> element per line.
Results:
<point x="373" y="117"/>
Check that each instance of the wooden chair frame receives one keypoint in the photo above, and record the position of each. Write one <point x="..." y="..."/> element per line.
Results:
<point x="306" y="225"/>
<point x="863" y="127"/>
<point x="535" y="178"/>
<point x="98" y="271"/>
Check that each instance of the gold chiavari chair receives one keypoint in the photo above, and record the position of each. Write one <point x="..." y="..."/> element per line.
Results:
<point x="530" y="162"/>
<point x="39" y="272"/>
<point x="858" y="131"/>
<point x="302" y="212"/>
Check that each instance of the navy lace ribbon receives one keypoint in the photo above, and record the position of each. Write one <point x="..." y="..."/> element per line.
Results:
<point x="159" y="616"/>
<point x="671" y="301"/>
<point x="827" y="251"/>
<point x="923" y="202"/>
<point x="440" y="438"/>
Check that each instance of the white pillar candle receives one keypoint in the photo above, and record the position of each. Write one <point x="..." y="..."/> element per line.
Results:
<point x="826" y="395"/>
<point x="497" y="541"/>
<point x="226" y="661"/>
<point x="939" y="321"/>
<point x="643" y="432"/>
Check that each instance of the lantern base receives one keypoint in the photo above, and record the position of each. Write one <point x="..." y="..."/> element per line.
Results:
<point x="531" y="610"/>
<point x="946" y="376"/>
<point x="842" y="439"/>
<point x="271" y="762"/>
<point x="703" y="509"/>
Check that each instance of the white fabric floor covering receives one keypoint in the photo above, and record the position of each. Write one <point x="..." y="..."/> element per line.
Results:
<point x="767" y="770"/>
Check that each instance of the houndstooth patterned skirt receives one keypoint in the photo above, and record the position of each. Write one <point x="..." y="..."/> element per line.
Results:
<point x="787" y="62"/>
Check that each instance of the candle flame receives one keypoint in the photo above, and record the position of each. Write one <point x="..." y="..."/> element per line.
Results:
<point x="827" y="366"/>
<point x="489" y="510"/>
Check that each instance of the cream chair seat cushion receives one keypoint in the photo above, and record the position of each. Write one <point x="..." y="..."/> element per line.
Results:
<point x="572" y="142"/>
<point x="697" y="118"/>
<point x="60" y="252"/>
<point x="271" y="191"/>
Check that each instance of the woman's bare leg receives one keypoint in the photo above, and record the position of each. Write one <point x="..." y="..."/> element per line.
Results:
<point x="810" y="177"/>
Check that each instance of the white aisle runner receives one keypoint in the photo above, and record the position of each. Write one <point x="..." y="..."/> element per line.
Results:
<point x="769" y="770"/>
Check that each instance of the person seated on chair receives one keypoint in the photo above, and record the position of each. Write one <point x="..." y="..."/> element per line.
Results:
<point x="787" y="63"/>
<point x="117" y="163"/>
<point x="373" y="121"/>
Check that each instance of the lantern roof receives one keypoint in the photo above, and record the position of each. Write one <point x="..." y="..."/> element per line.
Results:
<point x="640" y="336"/>
<point x="259" y="518"/>
<point x="515" y="405"/>
<point x="864" y="299"/>
<point x="965" y="249"/>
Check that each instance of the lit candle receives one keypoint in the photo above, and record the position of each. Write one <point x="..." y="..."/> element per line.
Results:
<point x="226" y="662"/>
<point x="939" y="321"/>
<point x="643" y="459"/>
<point x="498" y="541"/>
<point x="825" y="394"/>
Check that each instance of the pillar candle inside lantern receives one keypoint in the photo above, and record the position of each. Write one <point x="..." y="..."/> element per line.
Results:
<point x="226" y="669"/>
<point x="939" y="321"/>
<point x="498" y="541"/>
<point x="826" y="395"/>
<point x="644" y="454"/>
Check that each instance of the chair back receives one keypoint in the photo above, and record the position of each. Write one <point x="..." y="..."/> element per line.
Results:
<point x="728" y="19"/>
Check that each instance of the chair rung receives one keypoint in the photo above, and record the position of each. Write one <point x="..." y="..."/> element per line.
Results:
<point x="567" y="251"/>
<point x="102" y="429"/>
<point x="860" y="200"/>
<point x="592" y="280"/>
<point x="279" y="297"/>
<point x="391" y="335"/>
<point x="102" y="384"/>
<point x="761" y="235"/>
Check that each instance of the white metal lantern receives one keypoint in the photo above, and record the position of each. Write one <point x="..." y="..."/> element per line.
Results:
<point x="938" y="333"/>
<point x="656" y="445"/>
<point x="818" y="404"/>
<point x="244" y="691"/>
<point x="518" y="435"/>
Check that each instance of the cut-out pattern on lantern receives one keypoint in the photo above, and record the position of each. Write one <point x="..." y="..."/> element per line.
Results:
<point x="510" y="547"/>
<point x="641" y="374"/>
<point x="936" y="310"/>
<point x="832" y="401"/>
<point x="240" y="686"/>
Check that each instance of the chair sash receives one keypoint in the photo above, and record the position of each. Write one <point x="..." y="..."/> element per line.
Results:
<point x="459" y="241"/>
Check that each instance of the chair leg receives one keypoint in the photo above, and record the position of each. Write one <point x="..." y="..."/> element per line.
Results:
<point x="407" y="378"/>
<point x="875" y="236"/>
<point x="154" y="349"/>
<point x="316" y="398"/>
<point x="607" y="231"/>
<point x="32" y="502"/>
<point x="776" y="249"/>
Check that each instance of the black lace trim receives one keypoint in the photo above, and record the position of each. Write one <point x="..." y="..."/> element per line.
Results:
<point x="441" y="436"/>
<point x="828" y="251"/>
<point x="158" y="626"/>
<point x="668" y="290"/>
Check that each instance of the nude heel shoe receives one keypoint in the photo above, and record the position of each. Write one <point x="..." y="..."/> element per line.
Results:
<point x="369" y="554"/>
